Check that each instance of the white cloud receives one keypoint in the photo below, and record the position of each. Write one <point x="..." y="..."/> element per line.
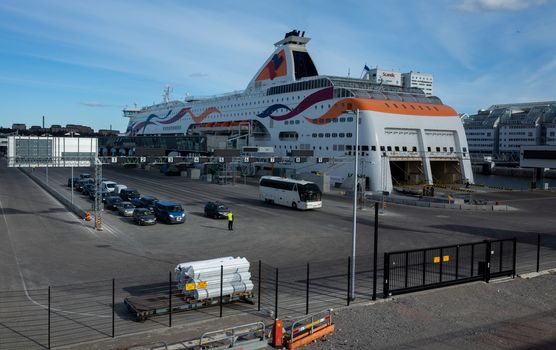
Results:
<point x="497" y="5"/>
<point x="100" y="104"/>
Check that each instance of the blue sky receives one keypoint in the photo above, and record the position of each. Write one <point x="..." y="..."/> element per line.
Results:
<point x="82" y="61"/>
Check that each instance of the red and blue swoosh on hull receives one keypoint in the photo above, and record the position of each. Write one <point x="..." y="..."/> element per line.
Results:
<point x="316" y="97"/>
<point x="151" y="119"/>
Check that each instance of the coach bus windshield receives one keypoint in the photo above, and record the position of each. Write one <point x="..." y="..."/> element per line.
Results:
<point x="309" y="192"/>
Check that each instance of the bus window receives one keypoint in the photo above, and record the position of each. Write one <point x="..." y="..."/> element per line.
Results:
<point x="309" y="192"/>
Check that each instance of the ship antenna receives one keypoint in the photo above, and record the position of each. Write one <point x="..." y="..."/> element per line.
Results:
<point x="167" y="96"/>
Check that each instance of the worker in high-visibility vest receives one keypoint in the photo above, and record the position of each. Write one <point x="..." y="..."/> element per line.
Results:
<point x="230" y="221"/>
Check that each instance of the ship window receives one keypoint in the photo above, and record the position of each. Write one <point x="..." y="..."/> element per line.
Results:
<point x="334" y="134"/>
<point x="389" y="148"/>
<point x="382" y="148"/>
<point x="327" y="134"/>
<point x="335" y="120"/>
<point x="314" y="135"/>
<point x="365" y="148"/>
<point x="321" y="134"/>
<point x="397" y="148"/>
<point x="349" y="119"/>
<point x="414" y="149"/>
<point x="334" y="147"/>
<point x="451" y="149"/>
<point x="297" y="121"/>
<point x="437" y="149"/>
<point x="342" y="134"/>
<point x="404" y="148"/>
<point x="348" y="147"/>
<point x="444" y="149"/>
<point x="349" y="134"/>
<point x="465" y="149"/>
<point x="342" y="119"/>
<point x="340" y="147"/>
<point x="373" y="148"/>
<point x="304" y="66"/>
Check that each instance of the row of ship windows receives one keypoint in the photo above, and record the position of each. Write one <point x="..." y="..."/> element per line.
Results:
<point x="366" y="148"/>
<point x="477" y="134"/>
<point x="478" y="139"/>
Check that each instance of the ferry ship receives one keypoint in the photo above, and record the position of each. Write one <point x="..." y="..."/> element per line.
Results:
<point x="405" y="137"/>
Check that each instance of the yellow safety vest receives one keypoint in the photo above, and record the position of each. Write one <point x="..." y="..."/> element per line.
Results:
<point x="230" y="216"/>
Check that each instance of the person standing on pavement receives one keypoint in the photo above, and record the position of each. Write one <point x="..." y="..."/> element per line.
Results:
<point x="230" y="221"/>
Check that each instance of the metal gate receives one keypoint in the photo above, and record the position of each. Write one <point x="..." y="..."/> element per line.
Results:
<point x="419" y="269"/>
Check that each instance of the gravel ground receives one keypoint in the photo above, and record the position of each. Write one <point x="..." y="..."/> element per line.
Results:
<point x="514" y="314"/>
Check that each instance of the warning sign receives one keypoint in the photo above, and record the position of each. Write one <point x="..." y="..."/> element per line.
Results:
<point x="201" y="284"/>
<point x="190" y="286"/>
<point x="446" y="258"/>
<point x="436" y="259"/>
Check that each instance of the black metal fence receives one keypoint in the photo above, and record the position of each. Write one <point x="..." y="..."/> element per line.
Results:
<point x="418" y="269"/>
<point x="70" y="314"/>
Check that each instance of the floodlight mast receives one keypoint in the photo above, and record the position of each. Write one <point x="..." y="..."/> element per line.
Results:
<point x="97" y="203"/>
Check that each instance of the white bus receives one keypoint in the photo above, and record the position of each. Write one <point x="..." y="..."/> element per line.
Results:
<point x="297" y="194"/>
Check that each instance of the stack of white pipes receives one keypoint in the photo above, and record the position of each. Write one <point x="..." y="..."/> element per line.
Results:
<point x="236" y="277"/>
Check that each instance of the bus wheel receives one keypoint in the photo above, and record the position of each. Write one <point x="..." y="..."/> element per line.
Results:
<point x="294" y="205"/>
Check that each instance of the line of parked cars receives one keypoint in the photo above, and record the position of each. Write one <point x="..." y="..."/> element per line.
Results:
<point x="144" y="210"/>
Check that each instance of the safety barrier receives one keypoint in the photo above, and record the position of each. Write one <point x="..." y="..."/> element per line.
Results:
<point x="308" y="329"/>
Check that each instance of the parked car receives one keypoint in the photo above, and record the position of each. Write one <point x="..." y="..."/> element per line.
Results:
<point x="143" y="216"/>
<point x="81" y="183"/>
<point x="109" y="186"/>
<point x="119" y="188"/>
<point x="145" y="202"/>
<point x="112" y="201"/>
<point x="169" y="212"/>
<point x="87" y="189"/>
<point x="103" y="194"/>
<point x="128" y="194"/>
<point x="125" y="208"/>
<point x="74" y="179"/>
<point x="216" y="210"/>
<point x="85" y="176"/>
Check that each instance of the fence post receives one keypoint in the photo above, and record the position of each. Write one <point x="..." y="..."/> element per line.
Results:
<point x="113" y="304"/>
<point x="441" y="262"/>
<point x="49" y="317"/>
<point x="375" y="253"/>
<point x="307" y="293"/>
<point x="259" y="293"/>
<point x="276" y="297"/>
<point x="349" y="280"/>
<point x="406" y="270"/>
<point x="472" y="258"/>
<point x="514" y="258"/>
<point x="501" y="255"/>
<point x="221" y="287"/>
<point x="538" y="251"/>
<point x="457" y="262"/>
<point x="487" y="261"/>
<point x="169" y="298"/>
<point x="386" y="275"/>
<point x="424" y="267"/>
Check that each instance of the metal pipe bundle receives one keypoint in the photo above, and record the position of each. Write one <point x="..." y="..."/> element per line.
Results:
<point x="236" y="277"/>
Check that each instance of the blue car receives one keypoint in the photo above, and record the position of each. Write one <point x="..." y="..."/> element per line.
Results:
<point x="169" y="212"/>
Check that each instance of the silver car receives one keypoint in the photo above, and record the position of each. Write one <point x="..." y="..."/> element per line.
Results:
<point x="125" y="208"/>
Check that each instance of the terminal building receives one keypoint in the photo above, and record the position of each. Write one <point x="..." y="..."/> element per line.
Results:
<point x="500" y="130"/>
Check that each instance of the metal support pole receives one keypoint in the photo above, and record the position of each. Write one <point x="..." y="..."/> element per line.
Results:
<point x="406" y="269"/>
<point x="307" y="293"/>
<point x="259" y="293"/>
<point x="487" y="261"/>
<point x="472" y="258"/>
<point x="441" y="262"/>
<point x="113" y="304"/>
<point x="538" y="252"/>
<point x="72" y="184"/>
<point x="169" y="298"/>
<point x="349" y="280"/>
<point x="221" y="287"/>
<point x="385" y="286"/>
<point x="514" y="258"/>
<point x="457" y="262"/>
<point x="46" y="174"/>
<point x="375" y="253"/>
<point x="355" y="183"/>
<point x="276" y="297"/>
<point x="49" y="317"/>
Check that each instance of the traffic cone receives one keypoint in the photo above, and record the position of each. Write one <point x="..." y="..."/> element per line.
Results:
<point x="278" y="337"/>
<point x="87" y="216"/>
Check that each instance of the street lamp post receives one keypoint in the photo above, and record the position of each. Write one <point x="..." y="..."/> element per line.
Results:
<point x="355" y="183"/>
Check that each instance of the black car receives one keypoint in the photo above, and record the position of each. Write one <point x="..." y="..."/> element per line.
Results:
<point x="216" y="210"/>
<point x="143" y="216"/>
<point x="127" y="194"/>
<point x="103" y="194"/>
<point x="81" y="183"/>
<point x="112" y="202"/>
<point x="74" y="180"/>
<point x="144" y="202"/>
<point x="87" y="188"/>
